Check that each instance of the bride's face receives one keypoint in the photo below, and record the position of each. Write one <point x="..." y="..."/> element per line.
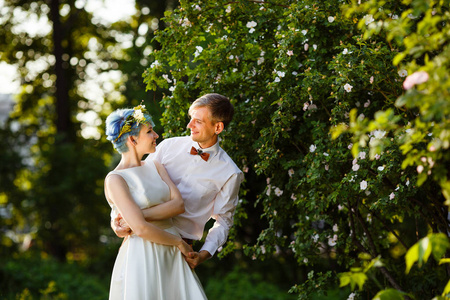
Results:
<point x="147" y="139"/>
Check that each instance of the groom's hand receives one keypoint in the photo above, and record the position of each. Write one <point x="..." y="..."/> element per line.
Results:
<point x="120" y="227"/>
<point x="195" y="258"/>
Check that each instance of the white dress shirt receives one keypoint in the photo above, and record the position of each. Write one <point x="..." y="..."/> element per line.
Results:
<point x="210" y="189"/>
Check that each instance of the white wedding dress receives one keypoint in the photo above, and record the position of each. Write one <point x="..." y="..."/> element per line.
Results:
<point x="143" y="269"/>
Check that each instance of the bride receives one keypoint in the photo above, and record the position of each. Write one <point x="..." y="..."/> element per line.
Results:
<point x="150" y="262"/>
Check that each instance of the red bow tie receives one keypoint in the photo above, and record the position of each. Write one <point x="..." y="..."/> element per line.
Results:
<point x="202" y="154"/>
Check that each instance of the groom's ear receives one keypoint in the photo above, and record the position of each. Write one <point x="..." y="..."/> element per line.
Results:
<point x="219" y="127"/>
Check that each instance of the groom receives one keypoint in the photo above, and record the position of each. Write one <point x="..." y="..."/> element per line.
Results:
<point x="206" y="176"/>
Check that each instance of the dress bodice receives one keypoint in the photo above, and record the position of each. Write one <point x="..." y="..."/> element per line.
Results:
<point x="146" y="187"/>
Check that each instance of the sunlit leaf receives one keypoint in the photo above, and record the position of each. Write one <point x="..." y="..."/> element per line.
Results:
<point x="389" y="294"/>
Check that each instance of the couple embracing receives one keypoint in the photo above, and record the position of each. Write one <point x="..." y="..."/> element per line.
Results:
<point x="162" y="204"/>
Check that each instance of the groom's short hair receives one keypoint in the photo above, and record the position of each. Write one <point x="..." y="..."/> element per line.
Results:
<point x="220" y="107"/>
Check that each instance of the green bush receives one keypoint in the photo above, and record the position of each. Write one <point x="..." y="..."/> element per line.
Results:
<point x="33" y="277"/>
<point x="352" y="152"/>
<point x="242" y="284"/>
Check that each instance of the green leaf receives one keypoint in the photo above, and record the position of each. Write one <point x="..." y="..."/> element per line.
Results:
<point x="436" y="244"/>
<point x="398" y="58"/>
<point x="446" y="289"/>
<point x="389" y="294"/>
<point x="444" y="261"/>
<point x="352" y="278"/>
<point x="439" y="245"/>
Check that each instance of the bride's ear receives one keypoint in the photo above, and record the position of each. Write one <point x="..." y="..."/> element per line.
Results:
<point x="132" y="140"/>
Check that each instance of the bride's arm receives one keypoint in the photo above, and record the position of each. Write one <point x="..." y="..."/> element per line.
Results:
<point x="171" y="208"/>
<point x="118" y="192"/>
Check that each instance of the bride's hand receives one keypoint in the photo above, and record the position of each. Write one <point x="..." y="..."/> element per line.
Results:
<point x="184" y="247"/>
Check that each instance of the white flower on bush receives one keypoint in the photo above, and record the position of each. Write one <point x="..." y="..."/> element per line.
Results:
<point x="155" y="64"/>
<point x="315" y="47"/>
<point x="350" y="146"/>
<point x="351" y="296"/>
<point x="306" y="46"/>
<point x="369" y="19"/>
<point x="277" y="79"/>
<point x="415" y="78"/>
<point x="330" y="19"/>
<point x="345" y="51"/>
<point x="378" y="134"/>
<point x="355" y="167"/>
<point x="281" y="74"/>
<point x="304" y="31"/>
<point x="293" y="197"/>
<point x="381" y="168"/>
<point x="371" y="79"/>
<point x="197" y="7"/>
<point x="312" y="148"/>
<point x="391" y="196"/>
<point x="290" y="172"/>
<point x="251" y="25"/>
<point x="377" y="156"/>
<point x="290" y="52"/>
<point x="366" y="104"/>
<point x="348" y="87"/>
<point x="198" y="50"/>
<point x="260" y="60"/>
<point x="172" y="88"/>
<point x="305" y="105"/>
<point x="278" y="192"/>
<point x="402" y="73"/>
<point x="326" y="154"/>
<point x="362" y="155"/>
<point x="407" y="182"/>
<point x="327" y="167"/>
<point x="228" y="10"/>
<point x="315" y="238"/>
<point x="332" y="241"/>
<point x="166" y="77"/>
<point x="335" y="228"/>
<point x="420" y="169"/>
<point x="363" y="185"/>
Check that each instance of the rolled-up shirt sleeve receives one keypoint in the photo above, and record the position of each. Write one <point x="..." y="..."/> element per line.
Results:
<point x="224" y="207"/>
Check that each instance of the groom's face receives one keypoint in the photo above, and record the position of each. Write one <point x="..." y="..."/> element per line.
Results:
<point x="202" y="128"/>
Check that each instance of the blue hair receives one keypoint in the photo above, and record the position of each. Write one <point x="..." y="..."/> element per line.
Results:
<point x="115" y="121"/>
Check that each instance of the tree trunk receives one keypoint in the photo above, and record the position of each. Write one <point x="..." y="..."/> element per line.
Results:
<point x="63" y="121"/>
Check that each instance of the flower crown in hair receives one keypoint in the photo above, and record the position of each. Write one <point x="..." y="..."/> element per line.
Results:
<point x="136" y="118"/>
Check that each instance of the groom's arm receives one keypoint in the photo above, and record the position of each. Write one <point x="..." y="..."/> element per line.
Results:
<point x="224" y="208"/>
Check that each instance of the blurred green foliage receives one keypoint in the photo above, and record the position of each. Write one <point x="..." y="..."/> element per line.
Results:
<point x="34" y="277"/>
<point x="341" y="129"/>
